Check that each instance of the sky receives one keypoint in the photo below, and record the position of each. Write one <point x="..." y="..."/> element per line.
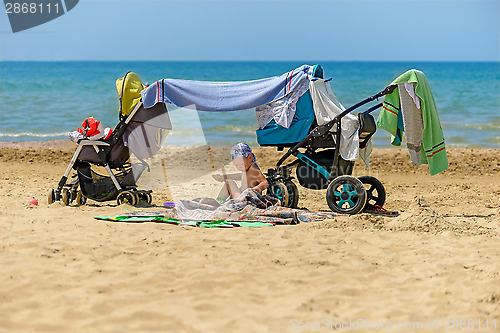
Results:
<point x="280" y="30"/>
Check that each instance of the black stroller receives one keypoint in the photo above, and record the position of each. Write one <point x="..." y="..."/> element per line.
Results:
<point x="140" y="132"/>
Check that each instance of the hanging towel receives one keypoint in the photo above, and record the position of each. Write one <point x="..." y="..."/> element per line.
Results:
<point x="412" y="120"/>
<point x="326" y="108"/>
<point x="433" y="151"/>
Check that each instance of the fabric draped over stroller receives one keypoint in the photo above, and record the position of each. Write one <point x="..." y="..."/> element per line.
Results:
<point x="286" y="105"/>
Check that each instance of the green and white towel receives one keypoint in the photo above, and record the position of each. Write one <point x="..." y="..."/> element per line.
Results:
<point x="433" y="151"/>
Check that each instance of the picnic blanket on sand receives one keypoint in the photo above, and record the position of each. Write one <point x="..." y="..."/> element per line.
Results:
<point x="250" y="209"/>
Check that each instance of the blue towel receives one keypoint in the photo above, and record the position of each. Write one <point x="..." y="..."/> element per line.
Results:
<point x="224" y="96"/>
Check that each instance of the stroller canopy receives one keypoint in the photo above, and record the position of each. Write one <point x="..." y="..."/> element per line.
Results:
<point x="129" y="89"/>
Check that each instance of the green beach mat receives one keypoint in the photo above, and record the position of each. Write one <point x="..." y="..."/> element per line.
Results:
<point x="202" y="224"/>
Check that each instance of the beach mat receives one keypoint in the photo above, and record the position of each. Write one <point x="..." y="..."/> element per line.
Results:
<point x="192" y="223"/>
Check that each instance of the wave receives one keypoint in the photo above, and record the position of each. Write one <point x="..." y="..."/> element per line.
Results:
<point x="31" y="134"/>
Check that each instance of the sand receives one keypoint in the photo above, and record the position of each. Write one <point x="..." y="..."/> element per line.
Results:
<point x="439" y="261"/>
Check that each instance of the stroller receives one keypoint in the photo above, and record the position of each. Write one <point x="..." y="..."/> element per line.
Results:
<point x="139" y="131"/>
<point x="321" y="165"/>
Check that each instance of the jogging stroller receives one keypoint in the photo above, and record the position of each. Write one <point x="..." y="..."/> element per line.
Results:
<point x="140" y="132"/>
<point x="320" y="165"/>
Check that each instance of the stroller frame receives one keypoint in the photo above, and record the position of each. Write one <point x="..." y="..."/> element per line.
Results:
<point x="280" y="179"/>
<point x="67" y="192"/>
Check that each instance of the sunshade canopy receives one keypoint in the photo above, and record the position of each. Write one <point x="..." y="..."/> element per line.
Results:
<point x="225" y="96"/>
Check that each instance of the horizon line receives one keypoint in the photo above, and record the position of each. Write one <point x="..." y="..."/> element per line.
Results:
<point x="76" y="60"/>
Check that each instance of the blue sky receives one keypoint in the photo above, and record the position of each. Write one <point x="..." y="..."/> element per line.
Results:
<point x="403" y="30"/>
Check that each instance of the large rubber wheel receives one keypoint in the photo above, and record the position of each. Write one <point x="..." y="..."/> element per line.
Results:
<point x="280" y="191"/>
<point x="293" y="194"/>
<point x="346" y="195"/>
<point x="375" y="192"/>
<point x="127" y="197"/>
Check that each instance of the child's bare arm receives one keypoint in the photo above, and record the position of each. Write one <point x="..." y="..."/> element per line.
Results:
<point x="263" y="184"/>
<point x="232" y="176"/>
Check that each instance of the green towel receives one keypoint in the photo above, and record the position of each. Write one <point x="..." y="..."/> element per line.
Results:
<point x="390" y="119"/>
<point x="203" y="224"/>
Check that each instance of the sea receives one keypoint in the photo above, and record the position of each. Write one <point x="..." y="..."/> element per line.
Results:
<point x="42" y="101"/>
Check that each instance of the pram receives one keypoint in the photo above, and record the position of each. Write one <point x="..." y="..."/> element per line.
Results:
<point x="140" y="132"/>
<point x="321" y="165"/>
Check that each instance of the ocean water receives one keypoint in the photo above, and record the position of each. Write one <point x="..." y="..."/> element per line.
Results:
<point x="45" y="100"/>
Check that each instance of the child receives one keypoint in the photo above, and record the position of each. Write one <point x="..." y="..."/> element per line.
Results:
<point x="250" y="177"/>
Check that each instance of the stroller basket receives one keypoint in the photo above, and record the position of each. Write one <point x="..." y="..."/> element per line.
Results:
<point x="310" y="177"/>
<point x="101" y="188"/>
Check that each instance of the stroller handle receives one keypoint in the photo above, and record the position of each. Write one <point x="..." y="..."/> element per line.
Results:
<point x="386" y="91"/>
<point x="323" y="129"/>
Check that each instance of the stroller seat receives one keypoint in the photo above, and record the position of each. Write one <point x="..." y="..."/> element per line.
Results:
<point x="367" y="127"/>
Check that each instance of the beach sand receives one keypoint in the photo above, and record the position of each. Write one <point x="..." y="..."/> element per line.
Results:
<point x="439" y="261"/>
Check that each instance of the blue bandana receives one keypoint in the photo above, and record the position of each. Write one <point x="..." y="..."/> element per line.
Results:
<point x="242" y="150"/>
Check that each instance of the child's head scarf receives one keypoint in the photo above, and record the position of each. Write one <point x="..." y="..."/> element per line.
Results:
<point x="242" y="150"/>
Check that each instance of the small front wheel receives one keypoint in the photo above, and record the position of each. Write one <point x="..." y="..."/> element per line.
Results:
<point x="80" y="198"/>
<point x="293" y="194"/>
<point x="146" y="197"/>
<point x="346" y="195"/>
<point x="65" y="196"/>
<point x="51" y="197"/>
<point x="127" y="197"/>
<point x="279" y="191"/>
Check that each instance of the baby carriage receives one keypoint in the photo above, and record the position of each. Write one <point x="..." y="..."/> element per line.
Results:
<point x="140" y="132"/>
<point x="288" y="119"/>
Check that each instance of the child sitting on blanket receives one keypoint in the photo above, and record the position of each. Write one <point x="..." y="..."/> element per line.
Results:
<point x="250" y="177"/>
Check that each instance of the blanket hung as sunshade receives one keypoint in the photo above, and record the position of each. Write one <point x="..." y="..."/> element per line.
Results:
<point x="224" y="96"/>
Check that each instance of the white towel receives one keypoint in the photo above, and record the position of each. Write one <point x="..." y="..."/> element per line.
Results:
<point x="412" y="120"/>
<point x="327" y="107"/>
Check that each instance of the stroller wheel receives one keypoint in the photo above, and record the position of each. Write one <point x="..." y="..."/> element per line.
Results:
<point x="375" y="192"/>
<point x="80" y="199"/>
<point x="150" y="198"/>
<point x="51" y="197"/>
<point x="279" y="191"/>
<point x="65" y="196"/>
<point x="346" y="195"/>
<point x="293" y="194"/>
<point x="146" y="197"/>
<point x="127" y="197"/>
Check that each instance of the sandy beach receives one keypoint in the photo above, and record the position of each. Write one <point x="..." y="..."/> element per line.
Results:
<point x="435" y="266"/>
